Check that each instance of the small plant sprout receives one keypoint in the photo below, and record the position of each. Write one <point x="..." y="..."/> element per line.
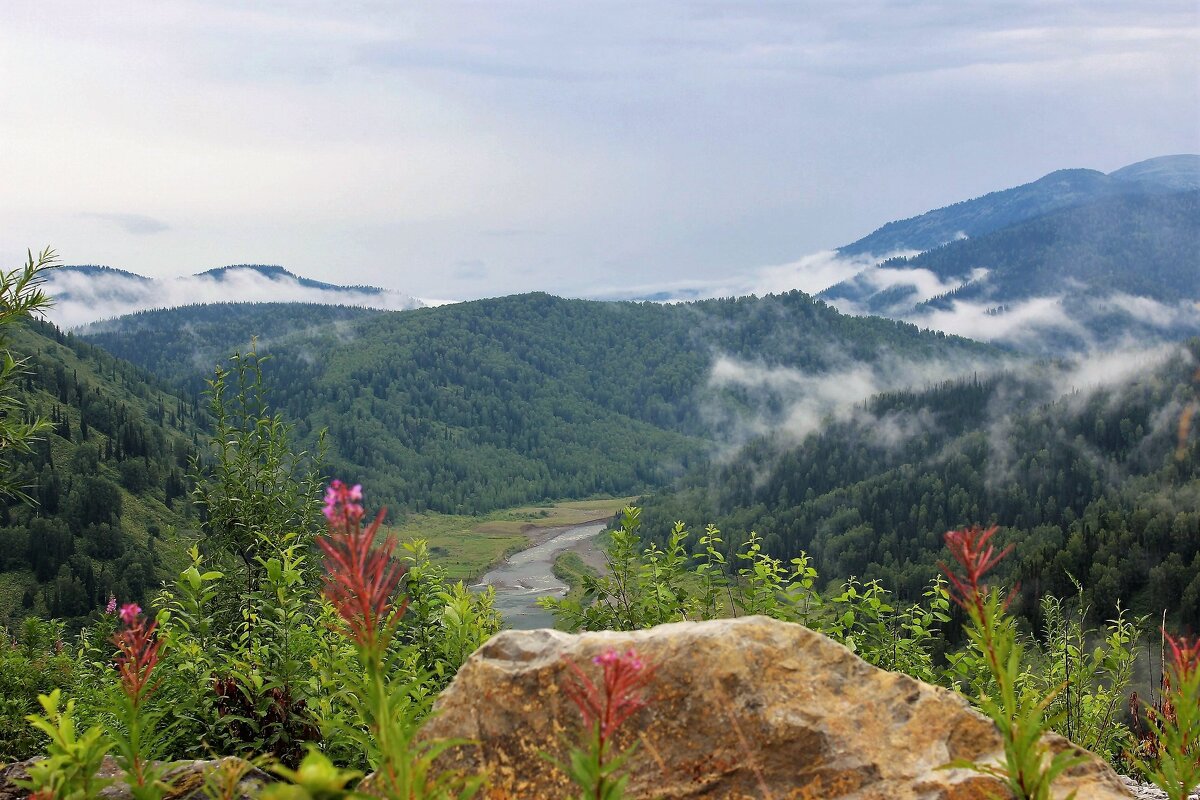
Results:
<point x="1177" y="726"/>
<point x="1019" y="714"/>
<point x="595" y="768"/>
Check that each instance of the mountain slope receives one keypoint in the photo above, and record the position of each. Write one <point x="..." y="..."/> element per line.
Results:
<point x="1077" y="462"/>
<point x="110" y="481"/>
<point x="182" y="345"/>
<point x="1124" y="267"/>
<point x="1058" y="190"/>
<point x="493" y="403"/>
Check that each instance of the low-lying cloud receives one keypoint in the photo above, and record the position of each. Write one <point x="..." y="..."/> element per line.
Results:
<point x="85" y="297"/>
<point x="751" y="399"/>
<point x="789" y="403"/>
<point x="1017" y="323"/>
<point x="812" y="274"/>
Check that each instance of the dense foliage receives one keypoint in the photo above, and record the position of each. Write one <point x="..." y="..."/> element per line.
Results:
<point x="1063" y="674"/>
<point x="247" y="653"/>
<point x="494" y="403"/>
<point x="1091" y="484"/>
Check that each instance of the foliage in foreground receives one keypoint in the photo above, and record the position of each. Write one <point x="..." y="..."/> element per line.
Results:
<point x="384" y="699"/>
<point x="1018" y="709"/>
<point x="596" y="768"/>
<point x="1066" y="677"/>
<point x="21" y="296"/>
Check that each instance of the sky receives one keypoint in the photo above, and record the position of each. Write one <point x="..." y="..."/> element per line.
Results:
<point x="460" y="150"/>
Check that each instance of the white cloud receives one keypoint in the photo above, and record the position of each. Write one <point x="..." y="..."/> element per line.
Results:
<point x="1087" y="373"/>
<point x="793" y="403"/>
<point x="82" y="298"/>
<point x="812" y="273"/>
<point x="1018" y="322"/>
<point x="1150" y="311"/>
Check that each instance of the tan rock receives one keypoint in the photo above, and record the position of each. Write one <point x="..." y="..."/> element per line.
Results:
<point x="742" y="708"/>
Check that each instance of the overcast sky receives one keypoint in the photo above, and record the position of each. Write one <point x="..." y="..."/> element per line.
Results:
<point x="458" y="150"/>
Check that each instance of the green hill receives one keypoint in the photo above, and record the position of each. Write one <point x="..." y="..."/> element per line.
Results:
<point x="494" y="403"/>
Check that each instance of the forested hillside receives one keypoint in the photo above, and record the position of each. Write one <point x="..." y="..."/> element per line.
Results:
<point x="493" y="403"/>
<point x="183" y="345"/>
<point x="109" y="482"/>
<point x="1090" y="483"/>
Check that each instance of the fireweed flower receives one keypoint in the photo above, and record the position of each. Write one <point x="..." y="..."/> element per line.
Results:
<point x="129" y="613"/>
<point x="1185" y="658"/>
<point x="971" y="548"/>
<point x="137" y="654"/>
<point x="623" y="693"/>
<point x="1175" y="723"/>
<point x="360" y="579"/>
<point x="343" y="504"/>
<point x="111" y="608"/>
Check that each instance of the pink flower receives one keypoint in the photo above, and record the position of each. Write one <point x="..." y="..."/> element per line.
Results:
<point x="343" y="504"/>
<point x="1185" y="657"/>
<point x="970" y="548"/>
<point x="111" y="608"/>
<point x="129" y="613"/>
<point x="137" y="653"/>
<point x="625" y="680"/>
<point x="360" y="578"/>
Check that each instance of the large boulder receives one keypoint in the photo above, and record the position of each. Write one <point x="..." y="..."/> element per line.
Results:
<point x="741" y="708"/>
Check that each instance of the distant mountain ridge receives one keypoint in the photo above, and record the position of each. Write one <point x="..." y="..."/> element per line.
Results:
<point x="275" y="272"/>
<point x="89" y="293"/>
<point x="1077" y="259"/>
<point x="1063" y="188"/>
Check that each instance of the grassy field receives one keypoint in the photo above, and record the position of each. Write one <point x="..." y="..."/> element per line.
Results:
<point x="469" y="546"/>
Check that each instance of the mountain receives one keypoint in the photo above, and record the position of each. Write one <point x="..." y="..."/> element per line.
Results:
<point x="498" y="402"/>
<point x="1175" y="173"/>
<point x="86" y="294"/>
<point x="1058" y="190"/>
<point x="110" y="481"/>
<point x="234" y="272"/>
<point x="1126" y="267"/>
<point x="1079" y="462"/>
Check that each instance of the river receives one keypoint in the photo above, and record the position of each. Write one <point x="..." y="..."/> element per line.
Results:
<point x="529" y="574"/>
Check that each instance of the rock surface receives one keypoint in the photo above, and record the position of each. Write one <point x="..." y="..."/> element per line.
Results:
<point x="186" y="779"/>
<point x="741" y="708"/>
<point x="1148" y="791"/>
